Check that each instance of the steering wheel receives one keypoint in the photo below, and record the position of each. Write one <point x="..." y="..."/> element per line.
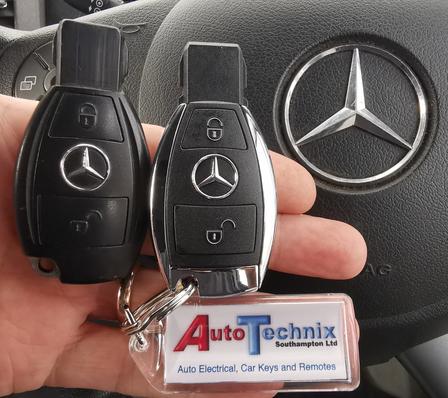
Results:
<point x="354" y="91"/>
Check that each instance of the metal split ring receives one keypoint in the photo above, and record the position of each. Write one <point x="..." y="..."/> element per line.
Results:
<point x="155" y="309"/>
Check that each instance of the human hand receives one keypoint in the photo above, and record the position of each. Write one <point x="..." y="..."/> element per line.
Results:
<point x="45" y="330"/>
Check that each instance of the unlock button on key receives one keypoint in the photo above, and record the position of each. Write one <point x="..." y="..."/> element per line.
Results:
<point x="82" y="222"/>
<point x="79" y="226"/>
<point x="214" y="236"/>
<point x="215" y="229"/>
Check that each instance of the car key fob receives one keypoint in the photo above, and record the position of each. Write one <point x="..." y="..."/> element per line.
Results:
<point x="83" y="171"/>
<point x="213" y="199"/>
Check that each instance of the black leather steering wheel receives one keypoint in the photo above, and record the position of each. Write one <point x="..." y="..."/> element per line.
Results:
<point x="375" y="73"/>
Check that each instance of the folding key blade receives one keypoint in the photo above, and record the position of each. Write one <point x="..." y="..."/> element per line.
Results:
<point x="83" y="170"/>
<point x="213" y="199"/>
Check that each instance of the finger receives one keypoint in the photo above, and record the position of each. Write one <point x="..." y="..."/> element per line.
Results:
<point x="314" y="246"/>
<point x="95" y="301"/>
<point x="16" y="113"/>
<point x="103" y="352"/>
<point x="303" y="245"/>
<point x="153" y="135"/>
<point x="148" y="247"/>
<point x="147" y="284"/>
<point x="14" y="116"/>
<point x="296" y="190"/>
<point x="317" y="247"/>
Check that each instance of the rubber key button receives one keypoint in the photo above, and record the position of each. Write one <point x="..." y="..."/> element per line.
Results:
<point x="215" y="229"/>
<point x="82" y="222"/>
<point x="95" y="117"/>
<point x="214" y="128"/>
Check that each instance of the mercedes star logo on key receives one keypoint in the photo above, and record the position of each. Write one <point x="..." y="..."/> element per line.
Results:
<point x="372" y="106"/>
<point x="215" y="176"/>
<point x="85" y="167"/>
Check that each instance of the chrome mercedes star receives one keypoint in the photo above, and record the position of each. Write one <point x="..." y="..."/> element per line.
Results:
<point x="228" y="183"/>
<point x="86" y="168"/>
<point x="215" y="176"/>
<point x="355" y="114"/>
<point x="88" y="161"/>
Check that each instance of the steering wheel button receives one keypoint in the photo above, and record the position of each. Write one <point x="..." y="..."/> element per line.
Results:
<point x="214" y="128"/>
<point x="95" y="118"/>
<point x="37" y="74"/>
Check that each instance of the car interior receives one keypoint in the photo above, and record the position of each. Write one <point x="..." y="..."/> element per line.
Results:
<point x="353" y="91"/>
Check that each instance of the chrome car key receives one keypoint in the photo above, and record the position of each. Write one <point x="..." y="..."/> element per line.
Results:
<point x="213" y="200"/>
<point x="83" y="171"/>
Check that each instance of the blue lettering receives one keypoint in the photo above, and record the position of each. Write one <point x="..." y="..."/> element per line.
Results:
<point x="329" y="332"/>
<point x="253" y="323"/>
<point x="308" y="332"/>
<point x="268" y="333"/>
<point x="280" y="332"/>
<point x="319" y="332"/>
<point x="294" y="332"/>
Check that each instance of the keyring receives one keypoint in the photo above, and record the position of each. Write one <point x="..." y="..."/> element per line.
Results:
<point x="162" y="305"/>
<point x="154" y="309"/>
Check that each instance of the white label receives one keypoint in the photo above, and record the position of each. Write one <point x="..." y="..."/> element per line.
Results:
<point x="258" y="342"/>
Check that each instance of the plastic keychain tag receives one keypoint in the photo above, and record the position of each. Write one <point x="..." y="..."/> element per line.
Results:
<point x="255" y="342"/>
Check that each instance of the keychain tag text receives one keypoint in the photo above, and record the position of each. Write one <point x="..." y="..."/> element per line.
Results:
<point x="255" y="342"/>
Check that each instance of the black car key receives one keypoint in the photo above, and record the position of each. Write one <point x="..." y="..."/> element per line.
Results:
<point x="213" y="200"/>
<point x="83" y="171"/>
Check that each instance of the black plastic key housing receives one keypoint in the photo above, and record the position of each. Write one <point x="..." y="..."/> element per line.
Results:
<point x="213" y="202"/>
<point x="83" y="171"/>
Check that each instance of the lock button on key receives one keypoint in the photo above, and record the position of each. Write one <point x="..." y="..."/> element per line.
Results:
<point x="214" y="128"/>
<point x="86" y="116"/>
